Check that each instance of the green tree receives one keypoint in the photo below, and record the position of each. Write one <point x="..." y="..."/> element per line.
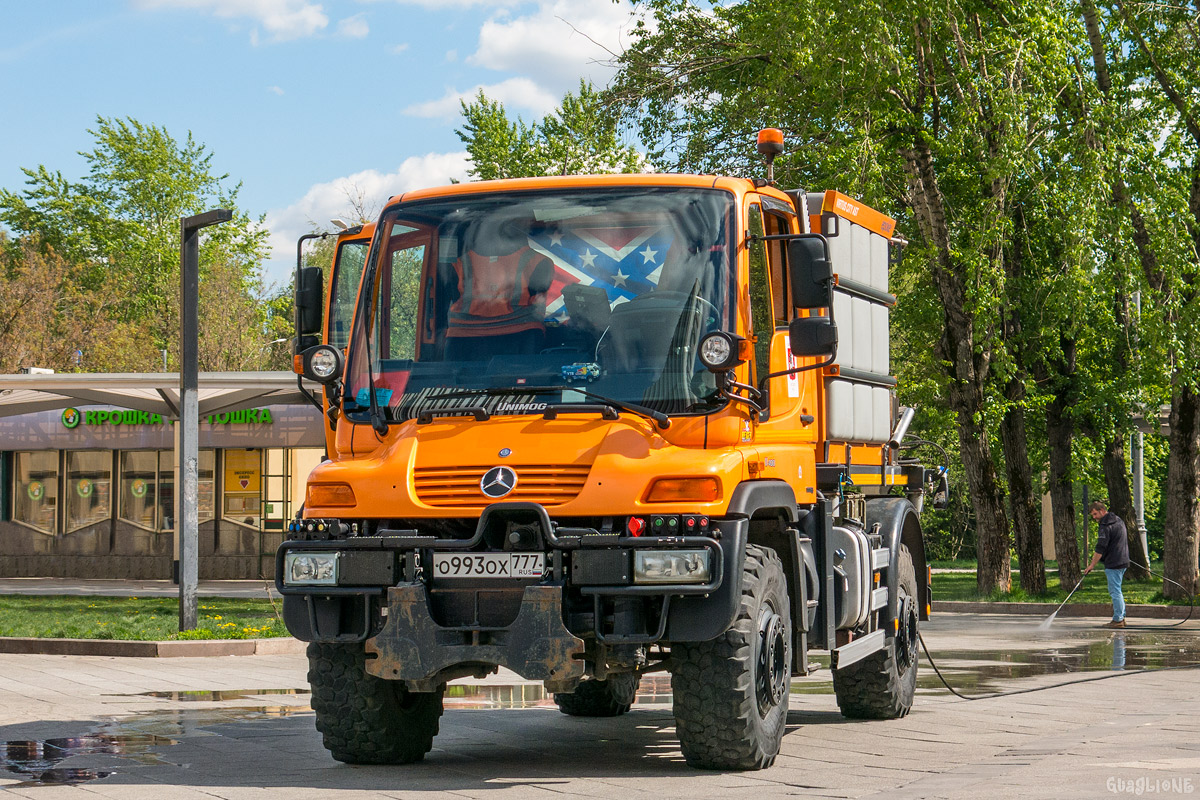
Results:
<point x="581" y="137"/>
<point x="122" y="219"/>
<point x="935" y="113"/>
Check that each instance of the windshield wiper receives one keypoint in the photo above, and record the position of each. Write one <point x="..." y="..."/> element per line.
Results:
<point x="658" y="417"/>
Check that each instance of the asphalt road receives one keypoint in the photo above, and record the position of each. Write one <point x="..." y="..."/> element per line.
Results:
<point x="240" y="727"/>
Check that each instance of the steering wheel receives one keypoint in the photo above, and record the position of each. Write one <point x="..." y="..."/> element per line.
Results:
<point x="680" y="299"/>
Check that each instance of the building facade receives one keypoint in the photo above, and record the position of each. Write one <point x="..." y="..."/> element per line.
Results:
<point x="90" y="490"/>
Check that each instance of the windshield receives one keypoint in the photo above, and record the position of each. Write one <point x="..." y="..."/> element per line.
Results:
<point x="569" y="295"/>
<point x="347" y="271"/>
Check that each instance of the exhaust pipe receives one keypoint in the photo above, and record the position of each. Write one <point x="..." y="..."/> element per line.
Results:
<point x="901" y="429"/>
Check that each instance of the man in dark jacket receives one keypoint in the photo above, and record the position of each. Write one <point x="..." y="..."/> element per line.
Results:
<point x="1112" y="547"/>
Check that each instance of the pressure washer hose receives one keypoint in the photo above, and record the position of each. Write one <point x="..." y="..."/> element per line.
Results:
<point x="1104" y="677"/>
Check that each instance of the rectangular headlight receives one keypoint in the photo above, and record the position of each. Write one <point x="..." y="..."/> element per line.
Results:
<point x="310" y="569"/>
<point x="670" y="566"/>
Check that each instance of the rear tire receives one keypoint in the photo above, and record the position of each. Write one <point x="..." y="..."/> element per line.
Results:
<point x="731" y="693"/>
<point x="364" y="719"/>
<point x="611" y="697"/>
<point x="882" y="685"/>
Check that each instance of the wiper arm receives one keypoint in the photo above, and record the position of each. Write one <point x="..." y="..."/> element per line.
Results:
<point x="658" y="417"/>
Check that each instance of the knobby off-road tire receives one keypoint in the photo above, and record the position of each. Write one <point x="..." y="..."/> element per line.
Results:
<point x="882" y="685"/>
<point x="364" y="719"/>
<point x="607" y="698"/>
<point x="731" y="693"/>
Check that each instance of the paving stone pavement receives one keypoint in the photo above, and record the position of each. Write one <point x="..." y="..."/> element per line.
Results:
<point x="218" y="727"/>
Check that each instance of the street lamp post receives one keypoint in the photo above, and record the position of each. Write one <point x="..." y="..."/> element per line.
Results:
<point x="189" y="410"/>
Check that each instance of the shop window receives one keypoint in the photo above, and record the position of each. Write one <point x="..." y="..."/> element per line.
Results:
<point x="148" y="488"/>
<point x="139" y="488"/>
<point x="208" y="490"/>
<point x="89" y="488"/>
<point x="35" y="490"/>
<point x="243" y="483"/>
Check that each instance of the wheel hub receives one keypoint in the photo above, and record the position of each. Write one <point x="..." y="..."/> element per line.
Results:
<point x="906" y="633"/>
<point x="771" y="682"/>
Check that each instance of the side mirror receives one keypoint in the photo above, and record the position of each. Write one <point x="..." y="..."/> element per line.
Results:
<point x="813" y="336"/>
<point x="810" y="271"/>
<point x="310" y="297"/>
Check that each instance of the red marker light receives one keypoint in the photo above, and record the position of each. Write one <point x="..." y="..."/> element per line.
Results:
<point x="636" y="526"/>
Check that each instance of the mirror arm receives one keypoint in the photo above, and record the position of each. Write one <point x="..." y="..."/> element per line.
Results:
<point x="764" y="386"/>
<point x="755" y="401"/>
<point x="312" y="398"/>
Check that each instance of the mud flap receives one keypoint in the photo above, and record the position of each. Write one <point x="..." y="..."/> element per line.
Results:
<point x="414" y="649"/>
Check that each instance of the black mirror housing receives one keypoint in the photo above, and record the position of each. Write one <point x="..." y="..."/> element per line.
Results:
<point x="813" y="336"/>
<point x="310" y="296"/>
<point x="810" y="271"/>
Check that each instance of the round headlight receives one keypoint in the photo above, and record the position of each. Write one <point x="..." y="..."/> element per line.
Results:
<point x="323" y="363"/>
<point x="718" y="351"/>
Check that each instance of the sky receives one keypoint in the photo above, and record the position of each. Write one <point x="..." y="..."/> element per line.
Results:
<point x="308" y="104"/>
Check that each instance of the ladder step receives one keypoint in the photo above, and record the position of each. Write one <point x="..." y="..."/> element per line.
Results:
<point x="880" y="558"/>
<point x="879" y="598"/>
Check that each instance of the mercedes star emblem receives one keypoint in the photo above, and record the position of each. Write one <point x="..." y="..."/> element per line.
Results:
<point x="498" y="481"/>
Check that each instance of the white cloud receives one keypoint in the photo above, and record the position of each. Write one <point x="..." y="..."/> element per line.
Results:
<point x="397" y="49"/>
<point x="281" y="19"/>
<point x="353" y="27"/>
<point x="437" y="5"/>
<point x="336" y="198"/>
<point x="451" y="56"/>
<point x="275" y="90"/>
<point x="560" y="42"/>
<point x="514" y="93"/>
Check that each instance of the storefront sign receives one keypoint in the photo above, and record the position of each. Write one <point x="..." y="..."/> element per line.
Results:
<point x="73" y="417"/>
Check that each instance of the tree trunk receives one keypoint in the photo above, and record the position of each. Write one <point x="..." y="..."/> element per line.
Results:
<point x="967" y="365"/>
<point x="1059" y="430"/>
<point x="991" y="532"/>
<point x="1182" y="519"/>
<point x="1120" y="502"/>
<point x="1026" y="523"/>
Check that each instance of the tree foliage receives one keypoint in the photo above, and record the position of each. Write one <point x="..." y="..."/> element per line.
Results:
<point x="580" y="137"/>
<point x="1042" y="158"/>
<point x="113" y="237"/>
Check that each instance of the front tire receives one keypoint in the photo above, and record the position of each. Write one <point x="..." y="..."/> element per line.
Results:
<point x="731" y="693"/>
<point x="607" y="698"/>
<point x="364" y="719"/>
<point x="882" y="685"/>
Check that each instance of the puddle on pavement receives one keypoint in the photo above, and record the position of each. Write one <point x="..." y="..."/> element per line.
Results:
<point x="125" y="743"/>
<point x="653" y="690"/>
<point x="976" y="671"/>
<point x="38" y="762"/>
<point x="218" y="696"/>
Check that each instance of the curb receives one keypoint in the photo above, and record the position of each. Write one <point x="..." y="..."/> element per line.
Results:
<point x="1069" y="610"/>
<point x="200" y="648"/>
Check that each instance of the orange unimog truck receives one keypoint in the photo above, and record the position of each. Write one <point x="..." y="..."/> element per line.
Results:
<point x="592" y="427"/>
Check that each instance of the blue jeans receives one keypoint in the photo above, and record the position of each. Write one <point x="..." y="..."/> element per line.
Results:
<point x="1115" y="576"/>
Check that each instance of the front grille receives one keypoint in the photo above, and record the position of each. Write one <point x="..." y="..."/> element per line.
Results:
<point x="458" y="487"/>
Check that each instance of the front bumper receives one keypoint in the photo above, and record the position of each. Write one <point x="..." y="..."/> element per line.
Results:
<point x="422" y="630"/>
<point x="537" y="645"/>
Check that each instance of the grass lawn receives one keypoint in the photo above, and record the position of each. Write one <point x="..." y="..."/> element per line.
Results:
<point x="961" y="586"/>
<point x="138" y="618"/>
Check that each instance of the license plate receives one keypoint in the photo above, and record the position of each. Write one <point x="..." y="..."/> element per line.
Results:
<point x="488" y="565"/>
